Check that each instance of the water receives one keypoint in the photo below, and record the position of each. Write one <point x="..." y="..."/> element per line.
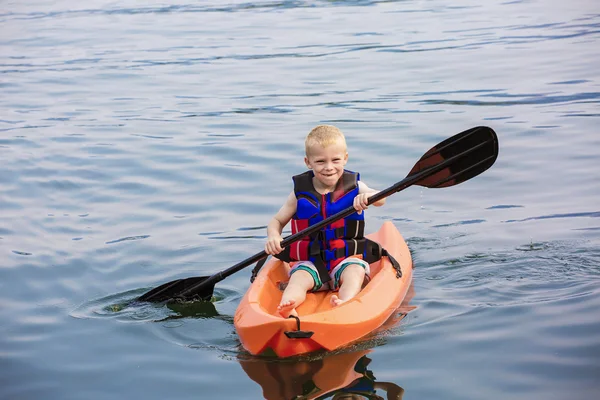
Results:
<point x="142" y="143"/>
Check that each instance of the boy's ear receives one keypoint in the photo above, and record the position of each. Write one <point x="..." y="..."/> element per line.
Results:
<point x="346" y="158"/>
<point x="307" y="163"/>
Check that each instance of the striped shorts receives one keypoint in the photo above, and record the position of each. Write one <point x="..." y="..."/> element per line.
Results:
<point x="335" y="274"/>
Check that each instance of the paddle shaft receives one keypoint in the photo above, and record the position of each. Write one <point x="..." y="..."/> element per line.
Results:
<point x="403" y="184"/>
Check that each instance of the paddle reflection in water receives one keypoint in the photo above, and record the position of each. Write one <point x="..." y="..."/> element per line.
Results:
<point x="204" y="309"/>
<point x="339" y="376"/>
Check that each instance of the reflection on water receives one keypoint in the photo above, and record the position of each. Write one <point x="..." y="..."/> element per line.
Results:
<point x="125" y="307"/>
<point x="338" y="376"/>
<point x="120" y="306"/>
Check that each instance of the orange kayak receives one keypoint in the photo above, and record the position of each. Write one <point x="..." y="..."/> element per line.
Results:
<point x="322" y="327"/>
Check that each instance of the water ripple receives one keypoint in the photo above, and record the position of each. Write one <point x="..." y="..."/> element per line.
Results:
<point x="593" y="214"/>
<point x="128" y="238"/>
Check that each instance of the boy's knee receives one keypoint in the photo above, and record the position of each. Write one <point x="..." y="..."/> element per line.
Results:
<point x="302" y="278"/>
<point x="354" y="271"/>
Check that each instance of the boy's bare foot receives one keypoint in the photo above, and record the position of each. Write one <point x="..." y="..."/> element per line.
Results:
<point x="336" y="301"/>
<point x="286" y="308"/>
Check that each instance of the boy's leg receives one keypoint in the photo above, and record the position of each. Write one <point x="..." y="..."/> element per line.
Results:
<point x="350" y="284"/>
<point x="294" y="294"/>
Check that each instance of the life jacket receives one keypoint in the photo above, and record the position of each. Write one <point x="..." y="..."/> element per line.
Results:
<point x="337" y="241"/>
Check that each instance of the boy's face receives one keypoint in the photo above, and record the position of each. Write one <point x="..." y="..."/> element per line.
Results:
<point x="327" y="162"/>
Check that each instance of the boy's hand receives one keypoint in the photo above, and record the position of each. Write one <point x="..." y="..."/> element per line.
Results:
<point x="361" y="202"/>
<point x="273" y="245"/>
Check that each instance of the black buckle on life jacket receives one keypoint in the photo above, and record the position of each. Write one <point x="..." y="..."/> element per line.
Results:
<point x="353" y="229"/>
<point x="333" y="254"/>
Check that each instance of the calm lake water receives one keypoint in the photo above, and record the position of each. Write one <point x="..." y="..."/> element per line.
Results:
<point x="142" y="142"/>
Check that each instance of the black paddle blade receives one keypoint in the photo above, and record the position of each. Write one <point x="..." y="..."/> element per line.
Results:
<point x="459" y="158"/>
<point x="172" y="290"/>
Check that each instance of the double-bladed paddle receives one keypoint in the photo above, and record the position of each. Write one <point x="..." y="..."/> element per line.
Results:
<point x="455" y="160"/>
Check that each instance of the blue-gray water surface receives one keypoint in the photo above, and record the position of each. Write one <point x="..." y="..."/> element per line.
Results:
<point x="142" y="142"/>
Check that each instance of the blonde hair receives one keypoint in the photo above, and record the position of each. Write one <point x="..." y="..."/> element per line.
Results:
<point x="324" y="135"/>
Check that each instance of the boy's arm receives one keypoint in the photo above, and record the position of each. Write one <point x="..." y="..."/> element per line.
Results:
<point x="361" y="200"/>
<point x="279" y="220"/>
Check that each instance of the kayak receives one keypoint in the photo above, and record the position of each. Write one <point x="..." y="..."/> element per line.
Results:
<point x="319" y="325"/>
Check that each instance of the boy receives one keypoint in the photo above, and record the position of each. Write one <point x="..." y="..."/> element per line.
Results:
<point x="318" y="193"/>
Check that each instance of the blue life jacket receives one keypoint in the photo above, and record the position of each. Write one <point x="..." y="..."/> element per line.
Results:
<point x="337" y="241"/>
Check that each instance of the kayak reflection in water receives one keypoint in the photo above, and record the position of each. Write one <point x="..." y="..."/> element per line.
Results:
<point x="364" y="387"/>
<point x="336" y="377"/>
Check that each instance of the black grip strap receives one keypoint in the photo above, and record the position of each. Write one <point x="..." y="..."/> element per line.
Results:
<point x="257" y="268"/>
<point x="315" y="252"/>
<point x="394" y="262"/>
